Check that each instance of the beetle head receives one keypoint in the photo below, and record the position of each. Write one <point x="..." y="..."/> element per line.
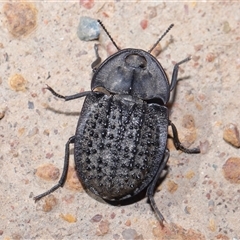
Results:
<point x="134" y="72"/>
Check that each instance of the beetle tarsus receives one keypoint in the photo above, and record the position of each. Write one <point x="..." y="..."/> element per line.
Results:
<point x="37" y="198"/>
<point x="54" y="93"/>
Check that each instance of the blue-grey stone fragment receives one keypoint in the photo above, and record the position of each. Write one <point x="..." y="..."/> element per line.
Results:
<point x="88" y="29"/>
<point x="30" y="105"/>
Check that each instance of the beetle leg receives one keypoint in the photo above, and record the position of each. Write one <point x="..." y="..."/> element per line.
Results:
<point x="67" y="98"/>
<point x="151" y="188"/>
<point x="175" y="73"/>
<point x="64" y="173"/>
<point x="178" y="145"/>
<point x="98" y="59"/>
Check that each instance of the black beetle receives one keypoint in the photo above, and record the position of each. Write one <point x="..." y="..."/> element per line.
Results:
<point x="121" y="136"/>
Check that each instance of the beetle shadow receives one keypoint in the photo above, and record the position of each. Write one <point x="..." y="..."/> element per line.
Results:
<point x="132" y="199"/>
<point x="62" y="112"/>
<point x="174" y="92"/>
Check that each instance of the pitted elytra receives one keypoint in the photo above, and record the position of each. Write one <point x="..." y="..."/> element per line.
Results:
<point x="121" y="136"/>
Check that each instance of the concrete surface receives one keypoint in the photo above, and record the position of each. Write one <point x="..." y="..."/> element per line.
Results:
<point x="195" y="198"/>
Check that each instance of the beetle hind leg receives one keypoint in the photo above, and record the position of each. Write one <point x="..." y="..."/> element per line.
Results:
<point x="151" y="188"/>
<point x="64" y="173"/>
<point x="178" y="144"/>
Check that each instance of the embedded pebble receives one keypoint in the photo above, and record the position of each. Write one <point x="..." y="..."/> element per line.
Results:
<point x="18" y="83"/>
<point x="139" y="237"/>
<point x="48" y="172"/>
<point x="72" y="181"/>
<point x="88" y="29"/>
<point x="211" y="203"/>
<point x="68" y="198"/>
<point x="231" y="135"/>
<point x="50" y="203"/>
<point x="113" y="215"/>
<point x="157" y="50"/>
<point x="172" y="186"/>
<point x="195" y="58"/>
<point x="212" y="225"/>
<point x="221" y="236"/>
<point x="33" y="132"/>
<point x="198" y="47"/>
<point x="144" y="24"/>
<point x="152" y="12"/>
<point x="188" y="121"/>
<point x="176" y="232"/>
<point x="111" y="49"/>
<point x="97" y="218"/>
<point x="226" y="27"/>
<point x="129" y="234"/>
<point x="190" y="134"/>
<point x="30" y="105"/>
<point x="190" y="174"/>
<point x="157" y="232"/>
<point x="68" y="218"/>
<point x="210" y="57"/>
<point x="187" y="210"/>
<point x="15" y="236"/>
<point x="128" y="223"/>
<point x="49" y="155"/>
<point x="88" y="4"/>
<point x="116" y="236"/>
<point x="231" y="170"/>
<point x="103" y="228"/>
<point x="46" y="132"/>
<point x="21" y="18"/>
<point x="21" y="131"/>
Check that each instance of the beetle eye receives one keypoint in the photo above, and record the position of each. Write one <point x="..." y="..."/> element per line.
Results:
<point x="136" y="61"/>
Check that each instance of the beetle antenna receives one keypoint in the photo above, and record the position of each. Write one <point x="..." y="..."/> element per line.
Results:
<point x="106" y="31"/>
<point x="164" y="34"/>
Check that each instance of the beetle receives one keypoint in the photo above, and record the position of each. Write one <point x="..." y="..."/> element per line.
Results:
<point x="120" y="144"/>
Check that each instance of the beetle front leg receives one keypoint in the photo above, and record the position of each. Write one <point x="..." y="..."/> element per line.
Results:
<point x="64" y="173"/>
<point x="98" y="59"/>
<point x="68" y="98"/>
<point x="178" y="145"/>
